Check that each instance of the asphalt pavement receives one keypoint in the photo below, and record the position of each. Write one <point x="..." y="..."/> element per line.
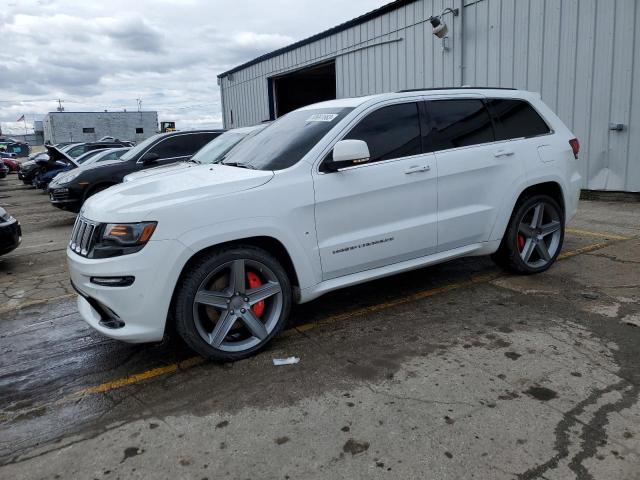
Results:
<point x="449" y="372"/>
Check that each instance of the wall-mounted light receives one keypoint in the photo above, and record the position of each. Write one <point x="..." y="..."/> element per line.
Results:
<point x="440" y="28"/>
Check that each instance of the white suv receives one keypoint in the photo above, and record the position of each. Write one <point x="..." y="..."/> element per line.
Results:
<point x="328" y="196"/>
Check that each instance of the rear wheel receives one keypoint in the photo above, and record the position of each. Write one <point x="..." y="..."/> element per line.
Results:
<point x="231" y="303"/>
<point x="534" y="236"/>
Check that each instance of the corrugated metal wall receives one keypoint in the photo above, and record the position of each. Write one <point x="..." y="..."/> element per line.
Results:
<point x="582" y="55"/>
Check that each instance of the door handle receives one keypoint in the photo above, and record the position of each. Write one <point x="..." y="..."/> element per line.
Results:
<point x="417" y="169"/>
<point x="503" y="153"/>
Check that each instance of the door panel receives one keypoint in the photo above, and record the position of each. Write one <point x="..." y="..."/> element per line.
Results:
<point x="376" y="214"/>
<point x="473" y="170"/>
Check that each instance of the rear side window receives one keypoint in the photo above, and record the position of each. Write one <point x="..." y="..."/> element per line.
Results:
<point x="516" y="119"/>
<point x="390" y="132"/>
<point x="458" y="123"/>
<point x="182" y="145"/>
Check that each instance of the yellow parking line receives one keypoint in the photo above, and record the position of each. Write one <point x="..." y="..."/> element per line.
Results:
<point x="193" y="361"/>
<point x="611" y="236"/>
<point x="139" y="377"/>
<point x="587" y="249"/>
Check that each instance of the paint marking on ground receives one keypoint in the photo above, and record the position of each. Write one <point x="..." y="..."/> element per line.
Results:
<point x="193" y="361"/>
<point x="139" y="377"/>
<point x="611" y="236"/>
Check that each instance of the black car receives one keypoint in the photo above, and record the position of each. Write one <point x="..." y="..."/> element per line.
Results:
<point x="10" y="232"/>
<point x="70" y="192"/>
<point x="27" y="170"/>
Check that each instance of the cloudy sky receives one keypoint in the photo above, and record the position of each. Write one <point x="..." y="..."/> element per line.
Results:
<point x="105" y="55"/>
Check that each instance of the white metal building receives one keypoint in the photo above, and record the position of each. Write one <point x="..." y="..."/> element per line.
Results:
<point x="583" y="56"/>
<point x="91" y="126"/>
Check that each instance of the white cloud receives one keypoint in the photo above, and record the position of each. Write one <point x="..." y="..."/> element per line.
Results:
<point x="104" y="55"/>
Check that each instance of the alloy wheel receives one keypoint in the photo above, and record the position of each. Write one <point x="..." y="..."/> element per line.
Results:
<point x="539" y="234"/>
<point x="238" y="305"/>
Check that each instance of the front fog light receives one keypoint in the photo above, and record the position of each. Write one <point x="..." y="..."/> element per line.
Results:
<point x="113" y="281"/>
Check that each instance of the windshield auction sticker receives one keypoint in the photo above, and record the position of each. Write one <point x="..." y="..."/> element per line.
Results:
<point x="322" y="117"/>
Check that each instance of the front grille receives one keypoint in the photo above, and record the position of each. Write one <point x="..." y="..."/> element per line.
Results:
<point x="60" y="195"/>
<point x="83" y="236"/>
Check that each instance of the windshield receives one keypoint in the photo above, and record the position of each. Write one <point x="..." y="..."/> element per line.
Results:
<point x="86" y="156"/>
<point x="213" y="151"/>
<point x="141" y="147"/>
<point x="287" y="140"/>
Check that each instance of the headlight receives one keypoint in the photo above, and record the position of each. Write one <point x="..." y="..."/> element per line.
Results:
<point x="63" y="178"/>
<point x="115" y="239"/>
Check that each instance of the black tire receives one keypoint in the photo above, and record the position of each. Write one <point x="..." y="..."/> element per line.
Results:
<point x="193" y="278"/>
<point x="508" y="255"/>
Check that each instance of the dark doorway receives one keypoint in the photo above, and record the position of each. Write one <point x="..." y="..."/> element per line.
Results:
<point x="303" y="87"/>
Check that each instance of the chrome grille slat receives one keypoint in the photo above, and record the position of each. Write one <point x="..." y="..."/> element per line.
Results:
<point x="82" y="236"/>
<point x="85" y="239"/>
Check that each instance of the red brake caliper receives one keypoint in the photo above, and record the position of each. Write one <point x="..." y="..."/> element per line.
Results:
<point x="521" y="242"/>
<point x="254" y="282"/>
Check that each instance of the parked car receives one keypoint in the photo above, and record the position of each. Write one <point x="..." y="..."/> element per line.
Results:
<point x="20" y="149"/>
<point x="10" y="232"/>
<point x="110" y="155"/>
<point x="11" y="163"/>
<point x="64" y="164"/>
<point x="158" y="150"/>
<point x="76" y="150"/>
<point x="212" y="152"/>
<point x="328" y="196"/>
<point x="101" y="157"/>
<point x="28" y="169"/>
<point x="52" y="159"/>
<point x="4" y="170"/>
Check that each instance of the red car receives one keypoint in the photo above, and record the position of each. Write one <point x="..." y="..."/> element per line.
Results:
<point x="11" y="164"/>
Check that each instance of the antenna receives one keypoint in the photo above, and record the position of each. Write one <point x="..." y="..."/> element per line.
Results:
<point x="60" y="107"/>
<point x="139" y="100"/>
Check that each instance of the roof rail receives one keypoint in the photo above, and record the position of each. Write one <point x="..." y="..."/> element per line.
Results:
<point x="453" y="88"/>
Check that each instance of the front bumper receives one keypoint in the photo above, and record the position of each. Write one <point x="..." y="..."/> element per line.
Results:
<point x="65" y="198"/>
<point x="135" y="313"/>
<point x="10" y="236"/>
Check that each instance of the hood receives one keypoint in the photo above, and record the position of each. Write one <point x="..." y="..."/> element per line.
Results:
<point x="172" y="167"/>
<point x="136" y="201"/>
<point x="55" y="154"/>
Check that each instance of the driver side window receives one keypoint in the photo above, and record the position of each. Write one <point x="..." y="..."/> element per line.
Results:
<point x="390" y="132"/>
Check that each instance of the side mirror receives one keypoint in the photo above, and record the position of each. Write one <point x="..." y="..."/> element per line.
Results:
<point x="150" y="158"/>
<point x="347" y="153"/>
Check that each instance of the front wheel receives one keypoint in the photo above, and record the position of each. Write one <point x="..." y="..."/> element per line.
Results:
<point x="232" y="302"/>
<point x="534" y="236"/>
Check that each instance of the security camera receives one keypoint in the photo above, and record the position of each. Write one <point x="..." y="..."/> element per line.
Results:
<point x="440" y="29"/>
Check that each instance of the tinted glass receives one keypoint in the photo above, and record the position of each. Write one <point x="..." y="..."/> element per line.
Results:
<point x="516" y="119"/>
<point x="458" y="123"/>
<point x="216" y="149"/>
<point x="182" y="145"/>
<point x="76" y="151"/>
<point x="390" y="132"/>
<point x="86" y="156"/>
<point x="141" y="147"/>
<point x="288" y="139"/>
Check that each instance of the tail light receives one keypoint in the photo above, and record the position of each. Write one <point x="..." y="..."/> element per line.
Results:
<point x="575" y="146"/>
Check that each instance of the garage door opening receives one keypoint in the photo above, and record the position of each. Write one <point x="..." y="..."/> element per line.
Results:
<point x="302" y="87"/>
